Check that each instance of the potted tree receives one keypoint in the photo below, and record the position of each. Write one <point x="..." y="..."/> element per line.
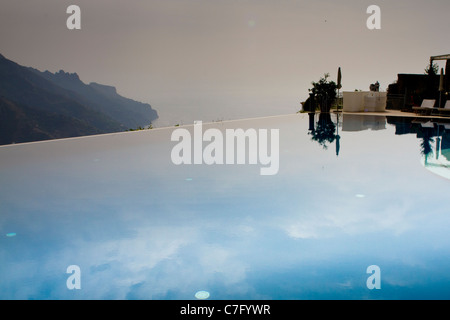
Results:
<point x="324" y="92"/>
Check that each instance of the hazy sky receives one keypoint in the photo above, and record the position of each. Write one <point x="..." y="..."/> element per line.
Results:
<point x="219" y="53"/>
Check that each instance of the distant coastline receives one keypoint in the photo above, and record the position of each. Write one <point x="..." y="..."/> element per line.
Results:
<point x="37" y="106"/>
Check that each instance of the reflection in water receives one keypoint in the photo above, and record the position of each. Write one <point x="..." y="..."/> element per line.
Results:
<point x="140" y="227"/>
<point x="427" y="140"/>
<point x="356" y="122"/>
<point x="434" y="135"/>
<point x="324" y="130"/>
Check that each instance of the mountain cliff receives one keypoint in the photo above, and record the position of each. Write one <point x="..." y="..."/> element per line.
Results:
<point x="37" y="105"/>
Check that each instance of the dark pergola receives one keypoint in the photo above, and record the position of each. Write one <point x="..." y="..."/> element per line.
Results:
<point x="447" y="69"/>
<point x="442" y="57"/>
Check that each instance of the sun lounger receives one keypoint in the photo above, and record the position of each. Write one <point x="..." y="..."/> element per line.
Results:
<point x="427" y="124"/>
<point x="426" y="107"/>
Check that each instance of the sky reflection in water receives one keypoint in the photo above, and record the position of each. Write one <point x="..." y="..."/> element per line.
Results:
<point x="141" y="227"/>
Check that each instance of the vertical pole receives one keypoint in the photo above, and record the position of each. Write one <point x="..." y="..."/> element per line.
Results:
<point x="438" y="143"/>
<point x="338" y="101"/>
<point x="447" y="72"/>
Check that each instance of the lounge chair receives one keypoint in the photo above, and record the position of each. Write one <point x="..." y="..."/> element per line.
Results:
<point x="445" y="111"/>
<point x="426" y="107"/>
<point x="427" y="124"/>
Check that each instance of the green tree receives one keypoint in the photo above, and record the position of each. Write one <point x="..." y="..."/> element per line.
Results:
<point x="324" y="92"/>
<point x="432" y="69"/>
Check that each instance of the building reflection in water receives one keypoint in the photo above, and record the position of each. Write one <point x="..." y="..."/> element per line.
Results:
<point x="433" y="134"/>
<point x="324" y="127"/>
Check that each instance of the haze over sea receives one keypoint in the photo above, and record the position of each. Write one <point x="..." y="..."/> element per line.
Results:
<point x="179" y="110"/>
<point x="220" y="60"/>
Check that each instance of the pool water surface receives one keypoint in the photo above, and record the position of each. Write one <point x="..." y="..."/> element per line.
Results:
<point x="351" y="192"/>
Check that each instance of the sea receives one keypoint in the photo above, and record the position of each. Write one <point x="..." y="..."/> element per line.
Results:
<point x="177" y="111"/>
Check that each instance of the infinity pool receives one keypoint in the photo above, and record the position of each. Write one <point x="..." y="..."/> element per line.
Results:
<point x="352" y="191"/>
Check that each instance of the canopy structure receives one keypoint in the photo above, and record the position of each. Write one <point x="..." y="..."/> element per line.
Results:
<point x="442" y="57"/>
<point x="447" y="67"/>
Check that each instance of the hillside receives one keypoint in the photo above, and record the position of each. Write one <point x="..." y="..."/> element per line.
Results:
<point x="38" y="105"/>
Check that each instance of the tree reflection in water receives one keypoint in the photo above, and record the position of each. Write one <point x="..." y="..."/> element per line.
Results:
<point x="324" y="131"/>
<point x="426" y="148"/>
